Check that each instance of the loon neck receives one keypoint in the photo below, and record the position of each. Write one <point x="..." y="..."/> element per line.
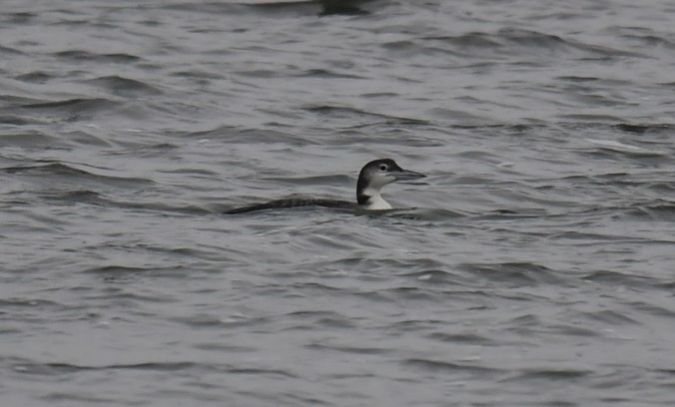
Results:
<point x="372" y="200"/>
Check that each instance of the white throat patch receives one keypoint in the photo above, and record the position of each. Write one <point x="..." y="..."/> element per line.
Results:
<point x="375" y="200"/>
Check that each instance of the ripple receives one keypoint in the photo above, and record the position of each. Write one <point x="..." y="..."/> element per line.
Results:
<point x="345" y="112"/>
<point x="610" y="277"/>
<point x="570" y="375"/>
<point x="463" y="338"/>
<point x="646" y="128"/>
<point x="368" y="351"/>
<point x="328" y="74"/>
<point x="21" y="17"/>
<point x="9" y="51"/>
<point x="73" y="174"/>
<point x="69" y="368"/>
<point x="655" y="211"/>
<point x="516" y="274"/>
<point x="72" y="109"/>
<point x="35" y="77"/>
<point x="233" y="134"/>
<point x="438" y="366"/>
<point x="609" y="317"/>
<point x="627" y="149"/>
<point x="121" y="86"/>
<point x="509" y="41"/>
<point x="31" y="139"/>
<point x="80" y="56"/>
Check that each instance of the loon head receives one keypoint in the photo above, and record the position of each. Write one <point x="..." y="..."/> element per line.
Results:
<point x="375" y="175"/>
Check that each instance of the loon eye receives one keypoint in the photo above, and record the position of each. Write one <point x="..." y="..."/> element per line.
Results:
<point x="383" y="167"/>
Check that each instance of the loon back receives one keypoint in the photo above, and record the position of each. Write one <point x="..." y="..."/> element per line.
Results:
<point x="372" y="178"/>
<point x="293" y="203"/>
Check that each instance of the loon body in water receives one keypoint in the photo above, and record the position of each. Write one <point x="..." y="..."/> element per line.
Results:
<point x="373" y="176"/>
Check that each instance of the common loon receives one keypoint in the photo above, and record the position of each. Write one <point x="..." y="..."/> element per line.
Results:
<point x="373" y="176"/>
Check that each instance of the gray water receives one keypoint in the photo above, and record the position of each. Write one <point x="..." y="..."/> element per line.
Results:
<point x="534" y="267"/>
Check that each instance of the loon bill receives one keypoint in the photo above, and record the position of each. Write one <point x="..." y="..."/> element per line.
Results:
<point x="372" y="178"/>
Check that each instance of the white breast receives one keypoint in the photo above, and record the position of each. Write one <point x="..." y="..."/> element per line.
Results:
<point x="375" y="201"/>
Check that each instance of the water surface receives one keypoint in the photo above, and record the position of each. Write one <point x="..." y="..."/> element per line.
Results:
<point x="535" y="267"/>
